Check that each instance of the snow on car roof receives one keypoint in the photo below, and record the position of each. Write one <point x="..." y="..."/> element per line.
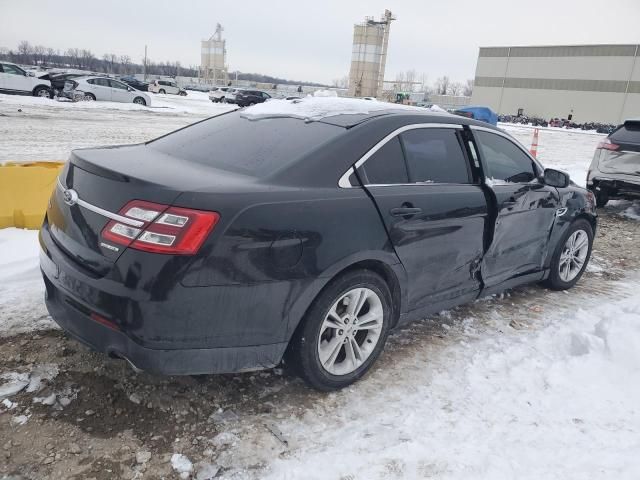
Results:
<point x="317" y="108"/>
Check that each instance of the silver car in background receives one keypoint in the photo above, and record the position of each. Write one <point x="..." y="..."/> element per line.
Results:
<point x="615" y="168"/>
<point x="103" y="89"/>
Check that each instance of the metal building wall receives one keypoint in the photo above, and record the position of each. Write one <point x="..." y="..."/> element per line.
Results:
<point x="591" y="82"/>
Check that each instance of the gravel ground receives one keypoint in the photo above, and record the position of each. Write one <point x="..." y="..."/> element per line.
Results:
<point x="91" y="417"/>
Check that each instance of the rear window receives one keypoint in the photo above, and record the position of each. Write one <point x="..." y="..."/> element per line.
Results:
<point x="627" y="133"/>
<point x="251" y="147"/>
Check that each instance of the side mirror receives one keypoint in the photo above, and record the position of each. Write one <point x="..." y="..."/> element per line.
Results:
<point x="556" y="178"/>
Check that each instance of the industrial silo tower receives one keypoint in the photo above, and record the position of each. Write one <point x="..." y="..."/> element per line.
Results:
<point x="213" y="63"/>
<point x="369" y="55"/>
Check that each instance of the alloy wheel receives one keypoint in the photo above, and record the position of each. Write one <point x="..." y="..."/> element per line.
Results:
<point x="573" y="256"/>
<point x="350" y="331"/>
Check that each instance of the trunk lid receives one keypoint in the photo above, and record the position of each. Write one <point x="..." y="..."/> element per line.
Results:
<point x="109" y="178"/>
<point x="625" y="159"/>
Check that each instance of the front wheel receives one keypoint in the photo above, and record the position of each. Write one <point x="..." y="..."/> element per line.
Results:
<point x="571" y="256"/>
<point x="343" y="332"/>
<point x="139" y="101"/>
<point x="89" y="97"/>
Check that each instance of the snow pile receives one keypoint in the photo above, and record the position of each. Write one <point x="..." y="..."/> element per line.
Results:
<point x="182" y="465"/>
<point x="316" y="108"/>
<point x="560" y="402"/>
<point x="325" y="93"/>
<point x="21" y="289"/>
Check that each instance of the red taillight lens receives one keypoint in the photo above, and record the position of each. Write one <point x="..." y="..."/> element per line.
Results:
<point x="170" y="230"/>
<point x="608" y="145"/>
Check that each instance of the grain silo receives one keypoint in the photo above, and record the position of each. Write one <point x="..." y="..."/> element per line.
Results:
<point x="369" y="55"/>
<point x="213" y="63"/>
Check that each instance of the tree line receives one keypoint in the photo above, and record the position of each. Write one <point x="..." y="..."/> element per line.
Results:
<point x="411" y="81"/>
<point x="84" y="59"/>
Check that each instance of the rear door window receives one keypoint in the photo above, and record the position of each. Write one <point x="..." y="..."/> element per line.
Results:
<point x="103" y="82"/>
<point x="386" y="166"/>
<point x="13" y="70"/>
<point x="434" y="155"/>
<point x="119" y="85"/>
<point x="504" y="160"/>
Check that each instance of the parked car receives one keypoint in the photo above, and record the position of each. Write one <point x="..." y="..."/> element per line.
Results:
<point x="15" y="80"/>
<point x="104" y="89"/>
<point x="230" y="96"/>
<point x="218" y="94"/>
<point x="304" y="239"/>
<point x="197" y="88"/>
<point x="135" y="83"/>
<point x="245" y="98"/>
<point x="166" y="86"/>
<point x="615" y="169"/>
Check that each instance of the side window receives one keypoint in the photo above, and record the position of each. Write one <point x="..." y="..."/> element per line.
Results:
<point x="91" y="81"/>
<point x="115" y="84"/>
<point x="386" y="166"/>
<point x="434" y="155"/>
<point x="103" y="82"/>
<point x="504" y="160"/>
<point x="12" y="70"/>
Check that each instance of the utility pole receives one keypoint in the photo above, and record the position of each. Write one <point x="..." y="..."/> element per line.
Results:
<point x="236" y="78"/>
<point x="145" y="63"/>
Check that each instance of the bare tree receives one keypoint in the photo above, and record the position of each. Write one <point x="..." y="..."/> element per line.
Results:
<point x="74" y="57"/>
<point x="125" y="61"/>
<point x="442" y="85"/>
<point x="25" y="52"/>
<point x="39" y="54"/>
<point x="110" y="59"/>
<point x="455" y="88"/>
<point x="87" y="58"/>
<point x="51" y="53"/>
<point x="468" y="88"/>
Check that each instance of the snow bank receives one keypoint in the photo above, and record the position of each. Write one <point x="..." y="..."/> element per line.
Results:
<point x="316" y="108"/>
<point x="560" y="402"/>
<point x="21" y="289"/>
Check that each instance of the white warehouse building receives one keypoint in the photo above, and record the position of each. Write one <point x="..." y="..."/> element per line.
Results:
<point x="590" y="83"/>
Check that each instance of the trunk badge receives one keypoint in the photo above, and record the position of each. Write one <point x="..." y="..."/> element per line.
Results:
<point x="70" y="197"/>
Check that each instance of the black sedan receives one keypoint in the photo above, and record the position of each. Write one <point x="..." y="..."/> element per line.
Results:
<point x="244" y="239"/>
<point x="135" y="83"/>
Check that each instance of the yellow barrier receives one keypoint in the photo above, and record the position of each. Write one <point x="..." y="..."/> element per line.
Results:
<point x="24" y="192"/>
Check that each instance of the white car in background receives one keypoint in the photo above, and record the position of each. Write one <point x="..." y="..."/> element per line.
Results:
<point x="231" y="95"/>
<point x="218" y="94"/>
<point x="104" y="89"/>
<point x="15" y="80"/>
<point x="166" y="86"/>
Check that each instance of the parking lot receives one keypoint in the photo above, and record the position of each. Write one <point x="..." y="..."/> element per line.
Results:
<point x="489" y="390"/>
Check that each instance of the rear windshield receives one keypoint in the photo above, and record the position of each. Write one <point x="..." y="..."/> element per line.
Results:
<point x="627" y="133"/>
<point x="251" y="147"/>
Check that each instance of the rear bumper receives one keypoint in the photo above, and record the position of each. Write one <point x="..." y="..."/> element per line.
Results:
<point x="218" y="333"/>
<point x="615" y="186"/>
<point x="166" y="362"/>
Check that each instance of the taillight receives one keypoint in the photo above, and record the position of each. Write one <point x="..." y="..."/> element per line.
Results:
<point x="608" y="145"/>
<point x="162" y="229"/>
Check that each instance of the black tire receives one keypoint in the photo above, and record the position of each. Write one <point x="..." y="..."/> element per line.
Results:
<point x="554" y="281"/>
<point x="601" y="198"/>
<point x="42" y="91"/>
<point x="140" y="101"/>
<point x="162" y="91"/>
<point x="182" y="94"/>
<point x="90" y="97"/>
<point x="302" y="354"/>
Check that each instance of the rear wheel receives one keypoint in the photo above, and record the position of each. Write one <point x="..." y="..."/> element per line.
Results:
<point x="139" y="101"/>
<point x="571" y="256"/>
<point x="162" y="91"/>
<point x="182" y="94"/>
<point x="89" y="97"/>
<point x="343" y="332"/>
<point x="42" y="91"/>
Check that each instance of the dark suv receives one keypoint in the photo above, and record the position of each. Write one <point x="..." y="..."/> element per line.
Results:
<point x="244" y="98"/>
<point x="615" y="168"/>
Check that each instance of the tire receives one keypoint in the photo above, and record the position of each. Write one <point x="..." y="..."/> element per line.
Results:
<point x="314" y="335"/>
<point x="557" y="280"/>
<point x="42" y="91"/>
<point x="601" y="198"/>
<point x="140" y="101"/>
<point x="162" y="91"/>
<point x="89" y="97"/>
<point x="223" y="100"/>
<point x="182" y="94"/>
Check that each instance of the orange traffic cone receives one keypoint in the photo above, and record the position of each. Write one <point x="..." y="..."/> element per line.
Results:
<point x="534" y="144"/>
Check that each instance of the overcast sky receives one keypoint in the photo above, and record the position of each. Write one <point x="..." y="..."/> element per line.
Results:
<point x="311" y="40"/>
